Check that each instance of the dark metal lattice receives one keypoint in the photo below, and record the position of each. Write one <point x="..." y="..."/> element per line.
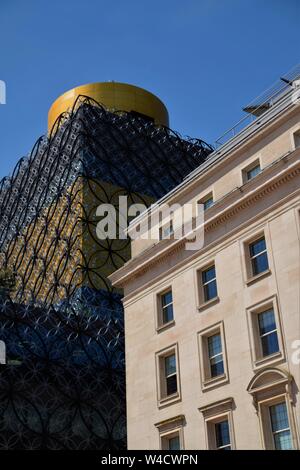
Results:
<point x="63" y="386"/>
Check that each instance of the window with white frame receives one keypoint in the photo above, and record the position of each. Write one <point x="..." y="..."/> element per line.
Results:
<point x="265" y="332"/>
<point x="218" y="418"/>
<point x="222" y="435"/>
<point x="271" y="389"/>
<point x="167" y="375"/>
<point x="268" y="332"/>
<point x="215" y="355"/>
<point x="258" y="256"/>
<point x="170" y="374"/>
<point x="280" y="426"/>
<point x="213" y="360"/>
<point x="171" y="433"/>
<point x="165" y="308"/>
<point x="171" y="442"/>
<point x="209" y="283"/>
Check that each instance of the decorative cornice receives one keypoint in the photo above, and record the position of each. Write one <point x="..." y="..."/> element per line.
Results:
<point x="133" y="270"/>
<point x="180" y="419"/>
<point x="220" y="405"/>
<point x="284" y="376"/>
<point x="251" y="200"/>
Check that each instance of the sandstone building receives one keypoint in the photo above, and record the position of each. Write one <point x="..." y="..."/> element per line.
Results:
<point x="212" y="335"/>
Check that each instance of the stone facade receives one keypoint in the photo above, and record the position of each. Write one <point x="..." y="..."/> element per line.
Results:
<point x="251" y="399"/>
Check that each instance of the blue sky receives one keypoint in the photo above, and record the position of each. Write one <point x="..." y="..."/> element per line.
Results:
<point x="204" y="58"/>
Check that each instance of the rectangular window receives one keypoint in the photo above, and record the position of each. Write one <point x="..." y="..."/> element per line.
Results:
<point x="212" y="352"/>
<point x="170" y="374"/>
<point x="252" y="172"/>
<point x="222" y="435"/>
<point x="218" y="419"/>
<point x="274" y="412"/>
<point x="209" y="283"/>
<point x="215" y="355"/>
<point x="166" y="231"/>
<point x="258" y="256"/>
<point x="297" y="139"/>
<point x="265" y="333"/>
<point x="166" y="300"/>
<point x="268" y="332"/>
<point x="173" y="443"/>
<point x="167" y="376"/>
<point x="207" y="201"/>
<point x="280" y="427"/>
<point x="171" y="433"/>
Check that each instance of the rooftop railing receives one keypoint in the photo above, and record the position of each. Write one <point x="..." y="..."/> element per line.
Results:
<point x="273" y="95"/>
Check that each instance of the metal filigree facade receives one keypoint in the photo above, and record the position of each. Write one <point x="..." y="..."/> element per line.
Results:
<point x="63" y="386"/>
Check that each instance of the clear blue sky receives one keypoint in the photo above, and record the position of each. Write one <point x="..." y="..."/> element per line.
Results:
<point x="204" y="58"/>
